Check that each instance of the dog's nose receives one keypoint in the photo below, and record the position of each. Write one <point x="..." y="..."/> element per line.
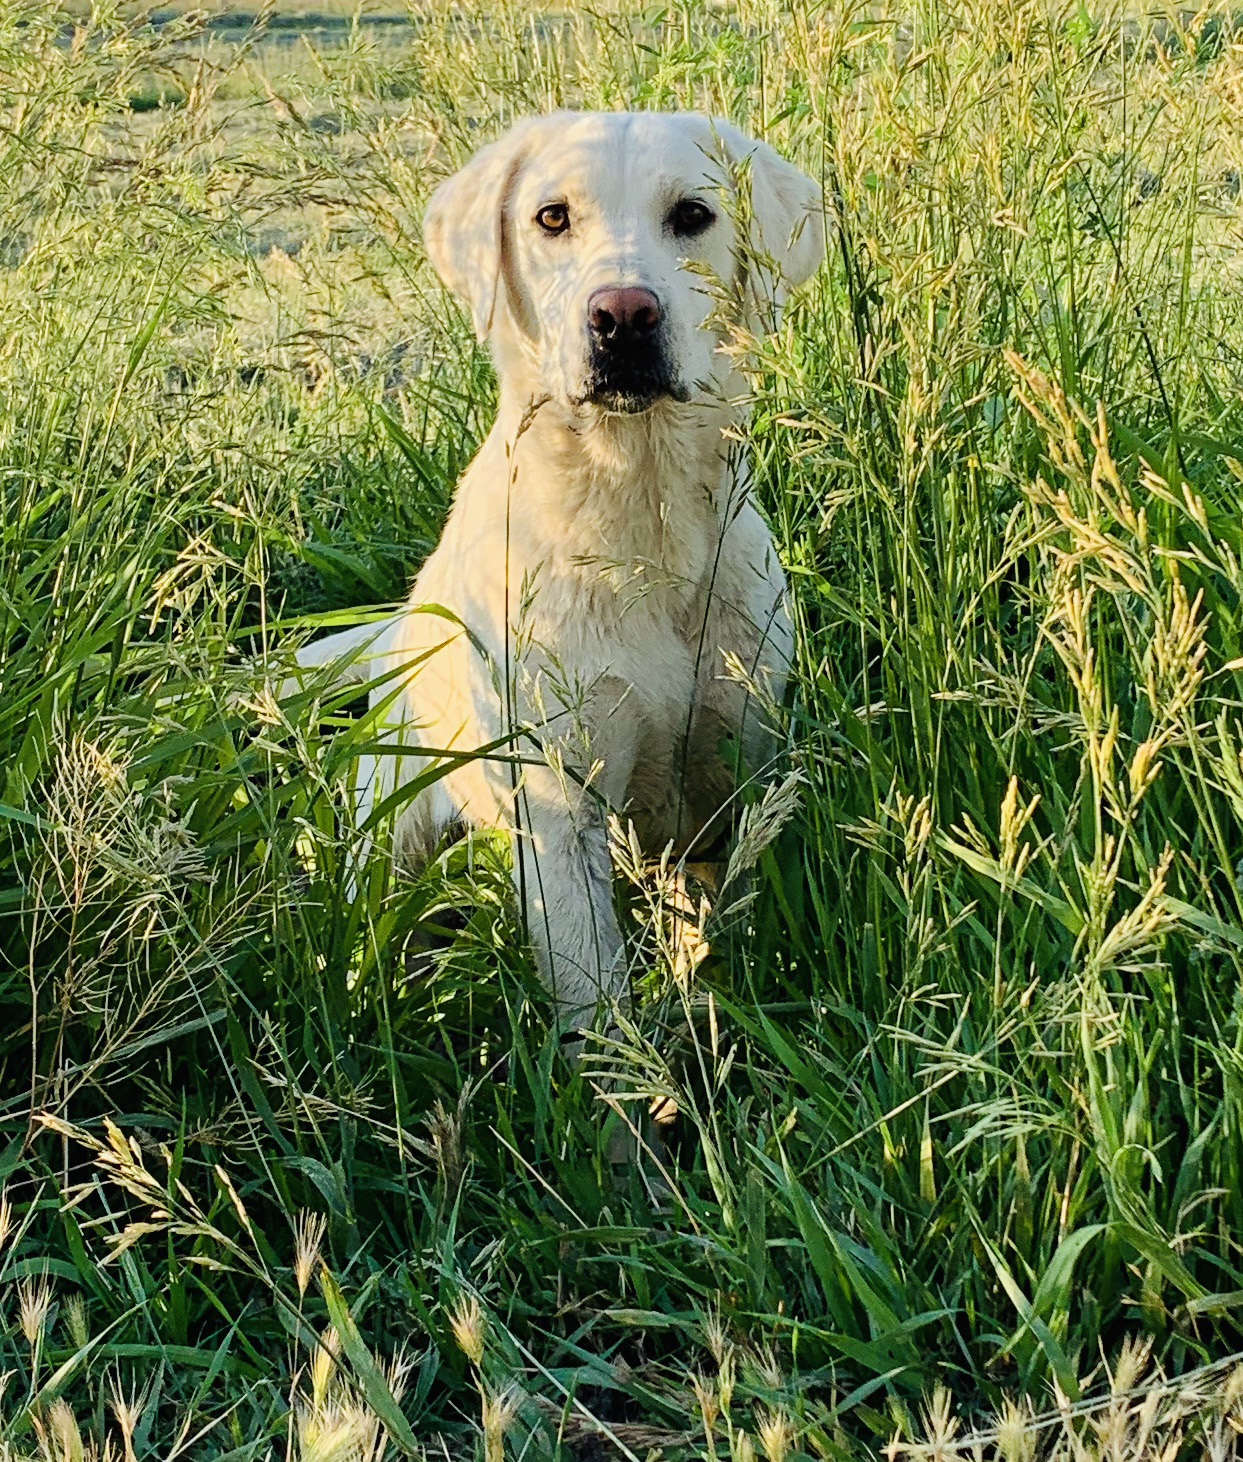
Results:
<point x="628" y="314"/>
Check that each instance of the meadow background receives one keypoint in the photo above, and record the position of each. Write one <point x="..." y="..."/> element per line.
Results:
<point x="293" y="1169"/>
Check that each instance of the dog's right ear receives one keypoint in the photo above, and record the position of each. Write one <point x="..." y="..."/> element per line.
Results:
<point x="464" y="224"/>
<point x="786" y="216"/>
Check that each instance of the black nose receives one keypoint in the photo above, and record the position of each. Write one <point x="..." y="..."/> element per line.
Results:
<point x="623" y="316"/>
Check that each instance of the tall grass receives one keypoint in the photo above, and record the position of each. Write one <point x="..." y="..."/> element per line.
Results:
<point x="292" y="1163"/>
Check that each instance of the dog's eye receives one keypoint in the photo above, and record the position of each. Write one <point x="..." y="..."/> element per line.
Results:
<point x="690" y="217"/>
<point x="553" y="218"/>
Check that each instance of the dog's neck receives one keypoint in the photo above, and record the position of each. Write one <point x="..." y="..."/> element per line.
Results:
<point x="623" y="496"/>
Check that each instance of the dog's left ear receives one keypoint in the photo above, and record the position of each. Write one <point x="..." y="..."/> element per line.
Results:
<point x="786" y="209"/>
<point x="464" y="224"/>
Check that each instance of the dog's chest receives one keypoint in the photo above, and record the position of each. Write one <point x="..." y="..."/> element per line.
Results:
<point x="634" y="596"/>
<point x="619" y="542"/>
<point x="629" y="633"/>
<point x="633" y="625"/>
<point x="630" y="513"/>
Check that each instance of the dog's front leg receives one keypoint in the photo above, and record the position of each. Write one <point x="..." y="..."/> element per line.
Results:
<point x="564" y="879"/>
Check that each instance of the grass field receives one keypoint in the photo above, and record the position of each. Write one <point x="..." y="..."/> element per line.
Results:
<point x="296" y="1169"/>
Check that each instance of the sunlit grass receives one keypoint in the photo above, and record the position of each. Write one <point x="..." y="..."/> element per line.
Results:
<point x="292" y="1164"/>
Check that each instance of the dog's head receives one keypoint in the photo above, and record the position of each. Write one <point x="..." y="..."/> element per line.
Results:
<point x="592" y="248"/>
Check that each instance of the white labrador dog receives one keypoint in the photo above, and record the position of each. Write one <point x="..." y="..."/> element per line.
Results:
<point x="603" y="560"/>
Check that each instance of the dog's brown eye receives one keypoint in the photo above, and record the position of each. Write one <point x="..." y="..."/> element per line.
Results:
<point x="553" y="218"/>
<point x="690" y="217"/>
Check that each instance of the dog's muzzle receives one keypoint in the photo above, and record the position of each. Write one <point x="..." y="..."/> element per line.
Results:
<point x="628" y="367"/>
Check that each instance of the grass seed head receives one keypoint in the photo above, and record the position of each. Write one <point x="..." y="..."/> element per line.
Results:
<point x="75" y="1321"/>
<point x="498" y="1411"/>
<point x="1232" y="1399"/>
<point x="767" y="1368"/>
<point x="469" y="1328"/>
<point x="716" y="1337"/>
<point x="343" y="1432"/>
<point x="1130" y="1365"/>
<point x="34" y="1300"/>
<point x="445" y="1126"/>
<point x="64" y="1439"/>
<point x="308" y="1239"/>
<point x="741" y="1447"/>
<point x="1016" y="1441"/>
<point x="324" y="1366"/>
<point x="940" y="1423"/>
<point x="707" y="1400"/>
<point x="127" y="1409"/>
<point x="775" y="1433"/>
<point x="397" y="1373"/>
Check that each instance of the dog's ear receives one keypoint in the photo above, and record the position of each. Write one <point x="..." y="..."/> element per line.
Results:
<point x="785" y="208"/>
<point x="464" y="224"/>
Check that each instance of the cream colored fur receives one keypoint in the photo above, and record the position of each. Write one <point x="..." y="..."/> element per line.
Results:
<point x="597" y="568"/>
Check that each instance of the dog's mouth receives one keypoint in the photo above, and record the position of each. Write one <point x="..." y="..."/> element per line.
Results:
<point x="628" y="387"/>
<point x="631" y="401"/>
